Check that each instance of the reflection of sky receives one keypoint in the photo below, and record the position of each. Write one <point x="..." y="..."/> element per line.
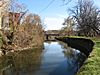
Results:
<point x="51" y="58"/>
<point x="54" y="62"/>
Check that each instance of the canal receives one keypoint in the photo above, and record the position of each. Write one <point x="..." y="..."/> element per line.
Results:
<point x="55" y="59"/>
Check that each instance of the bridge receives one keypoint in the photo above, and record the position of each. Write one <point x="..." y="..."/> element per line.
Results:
<point x="51" y="34"/>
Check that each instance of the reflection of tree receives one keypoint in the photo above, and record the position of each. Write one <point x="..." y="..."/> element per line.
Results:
<point x="63" y="45"/>
<point x="25" y="61"/>
<point x="70" y="53"/>
<point x="74" y="58"/>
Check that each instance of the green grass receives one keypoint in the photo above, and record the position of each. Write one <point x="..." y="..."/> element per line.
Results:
<point x="92" y="64"/>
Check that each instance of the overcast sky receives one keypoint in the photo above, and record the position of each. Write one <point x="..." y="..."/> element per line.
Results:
<point x="52" y="12"/>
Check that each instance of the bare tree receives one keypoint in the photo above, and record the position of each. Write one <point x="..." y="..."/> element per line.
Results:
<point x="12" y="12"/>
<point x="66" y="2"/>
<point x="30" y="33"/>
<point x="87" y="17"/>
<point x="68" y="26"/>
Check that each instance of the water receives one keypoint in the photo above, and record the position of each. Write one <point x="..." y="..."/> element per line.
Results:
<point x="55" y="59"/>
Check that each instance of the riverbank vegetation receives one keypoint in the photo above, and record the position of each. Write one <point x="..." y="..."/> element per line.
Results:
<point x="28" y="34"/>
<point x="23" y="30"/>
<point x="92" y="64"/>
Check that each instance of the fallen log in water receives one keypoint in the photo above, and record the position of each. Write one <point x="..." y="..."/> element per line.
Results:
<point x="83" y="45"/>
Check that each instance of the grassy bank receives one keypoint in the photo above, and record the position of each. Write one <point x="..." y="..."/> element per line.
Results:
<point x="92" y="64"/>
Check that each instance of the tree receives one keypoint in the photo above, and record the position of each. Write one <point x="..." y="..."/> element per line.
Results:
<point x="87" y="17"/>
<point x="69" y="26"/>
<point x="12" y="13"/>
<point x="29" y="33"/>
<point x="66" y="2"/>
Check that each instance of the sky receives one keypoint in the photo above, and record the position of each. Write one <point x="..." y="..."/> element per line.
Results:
<point x="52" y="12"/>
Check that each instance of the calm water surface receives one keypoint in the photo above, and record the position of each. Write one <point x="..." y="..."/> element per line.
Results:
<point x="55" y="59"/>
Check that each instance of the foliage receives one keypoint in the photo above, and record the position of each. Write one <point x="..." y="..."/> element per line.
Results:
<point x="24" y="32"/>
<point x="30" y="33"/>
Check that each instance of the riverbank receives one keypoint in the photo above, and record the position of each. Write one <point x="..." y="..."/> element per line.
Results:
<point x="92" y="64"/>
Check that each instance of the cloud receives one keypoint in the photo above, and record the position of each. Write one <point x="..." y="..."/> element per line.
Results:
<point x="53" y="23"/>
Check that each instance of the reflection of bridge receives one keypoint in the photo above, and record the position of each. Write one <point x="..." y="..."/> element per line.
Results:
<point x="51" y="34"/>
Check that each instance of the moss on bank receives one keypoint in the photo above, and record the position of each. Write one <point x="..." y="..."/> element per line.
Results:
<point x="92" y="65"/>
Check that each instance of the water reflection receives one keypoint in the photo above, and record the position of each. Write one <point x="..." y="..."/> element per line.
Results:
<point x="74" y="60"/>
<point x="23" y="63"/>
<point x="56" y="59"/>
